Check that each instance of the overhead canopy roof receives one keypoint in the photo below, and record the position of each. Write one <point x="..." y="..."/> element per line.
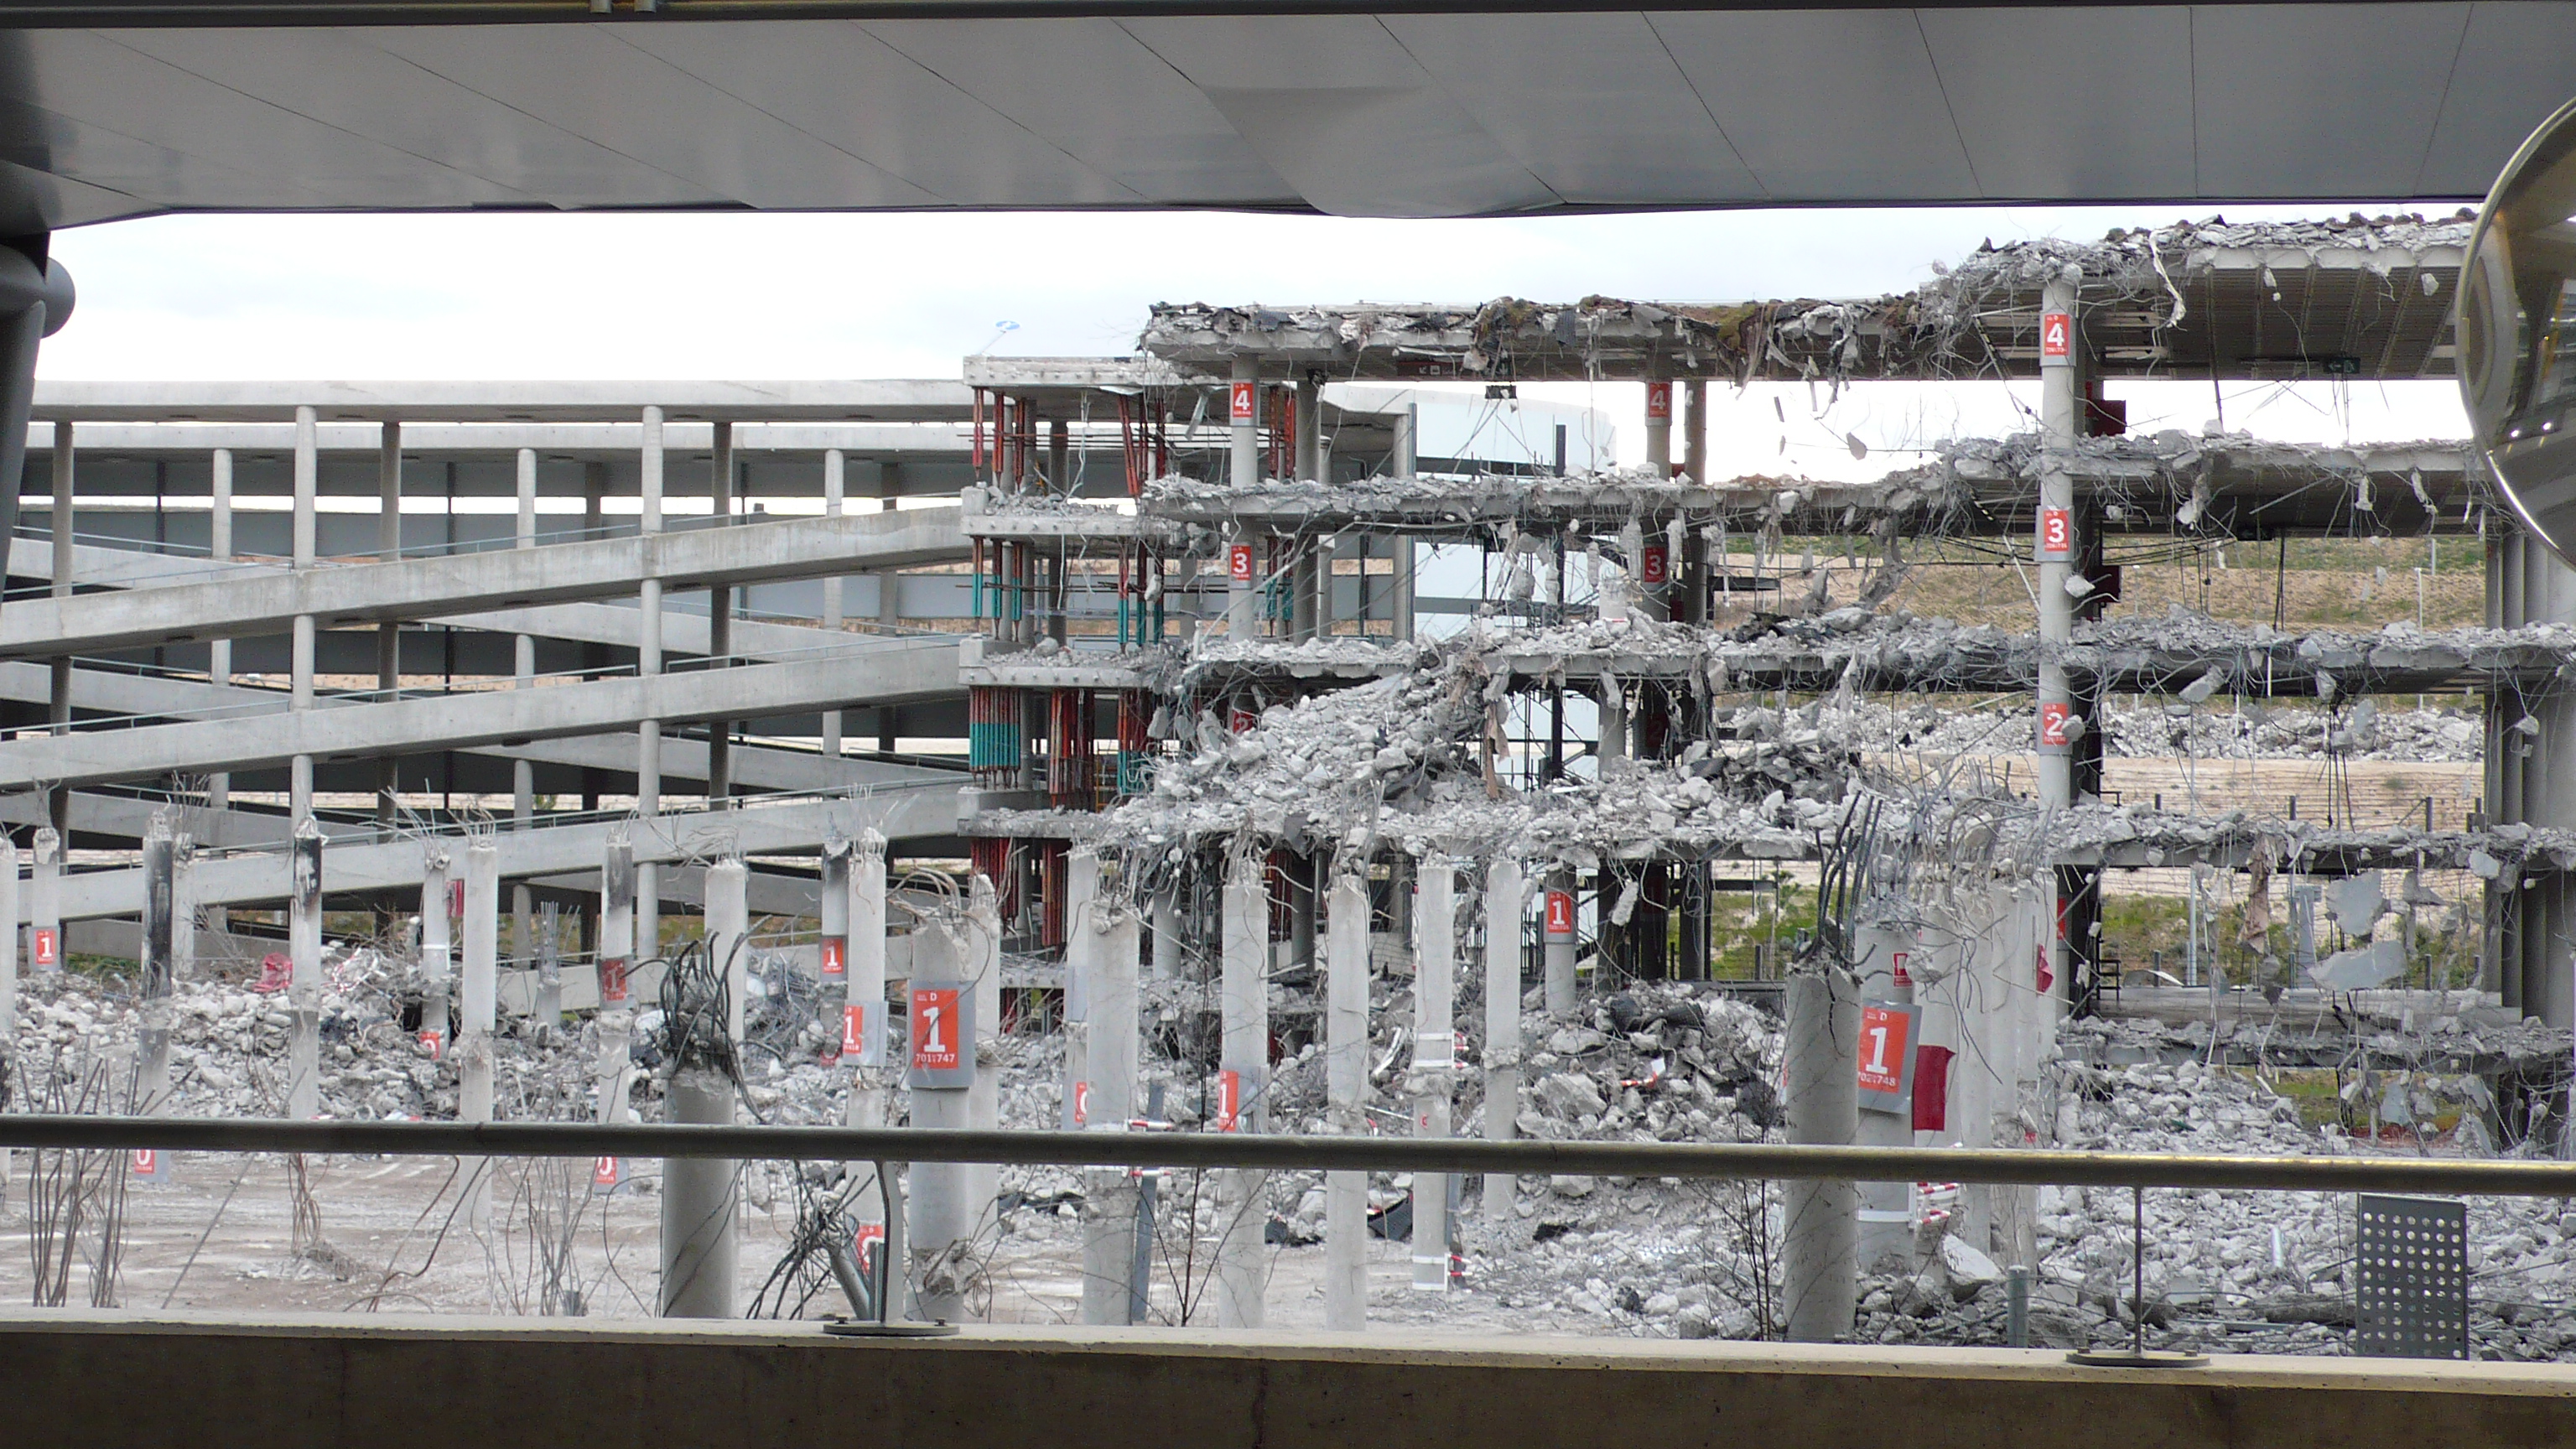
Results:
<point x="145" y="106"/>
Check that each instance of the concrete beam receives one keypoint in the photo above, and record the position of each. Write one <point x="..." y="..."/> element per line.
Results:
<point x="268" y="602"/>
<point x="282" y="1381"/>
<point x="786" y="828"/>
<point x="103" y="691"/>
<point x="924" y="400"/>
<point x="890" y="671"/>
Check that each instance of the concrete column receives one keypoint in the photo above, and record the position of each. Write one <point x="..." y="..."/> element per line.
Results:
<point x="1435" y="1059"/>
<point x="835" y="494"/>
<point x="984" y="1098"/>
<point x="698" y="1200"/>
<point x="720" y="615"/>
<point x="437" y="952"/>
<point x="308" y="483"/>
<point x="1882" y="951"/>
<point x="219" y="653"/>
<point x="1817" y="1269"/>
<point x="549" y="1003"/>
<point x="1081" y="905"/>
<point x="871" y="1074"/>
<point x="44" y="903"/>
<point x="1167" y="933"/>
<point x="940" y="1222"/>
<point x="523" y="776"/>
<point x="2061" y="404"/>
<point x="1503" y="895"/>
<point x="1346" y="1064"/>
<point x="304" y="987"/>
<point x="1110" y="1063"/>
<point x="8" y="976"/>
<point x="1659" y="425"/>
<point x="1408" y="432"/>
<point x="480" y="1000"/>
<point x="59" y="713"/>
<point x="389" y="633"/>
<point x="615" y="1072"/>
<point x="1310" y="429"/>
<point x="1557" y="937"/>
<point x="648" y="662"/>
<point x="1243" y="1066"/>
<point x="152" y="1092"/>
<point x="1695" y="436"/>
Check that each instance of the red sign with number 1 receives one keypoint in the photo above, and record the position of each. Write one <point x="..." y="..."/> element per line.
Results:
<point x="1884" y="1045"/>
<point x="934" y="1029"/>
<point x="1560" y="913"/>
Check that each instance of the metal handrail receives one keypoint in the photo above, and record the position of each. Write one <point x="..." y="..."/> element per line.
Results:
<point x="1736" y="1161"/>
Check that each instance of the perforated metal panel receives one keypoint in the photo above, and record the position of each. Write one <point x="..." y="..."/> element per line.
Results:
<point x="2413" y="1298"/>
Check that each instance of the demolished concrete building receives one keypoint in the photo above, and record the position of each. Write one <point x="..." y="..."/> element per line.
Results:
<point x="1254" y="829"/>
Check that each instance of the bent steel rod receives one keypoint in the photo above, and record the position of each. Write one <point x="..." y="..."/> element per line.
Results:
<point x="1738" y="1161"/>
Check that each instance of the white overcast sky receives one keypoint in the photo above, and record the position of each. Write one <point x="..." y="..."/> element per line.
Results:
<point x="892" y="295"/>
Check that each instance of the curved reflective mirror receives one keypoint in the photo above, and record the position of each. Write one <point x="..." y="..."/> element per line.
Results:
<point x="2517" y="332"/>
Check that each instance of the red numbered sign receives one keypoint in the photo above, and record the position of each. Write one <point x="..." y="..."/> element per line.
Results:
<point x="2040" y="970"/>
<point x="2052" y="725"/>
<point x="276" y="973"/>
<point x="612" y="979"/>
<point x="1659" y="401"/>
<point x="1238" y="563"/>
<point x="867" y="1242"/>
<point x="1657" y="565"/>
<point x="603" y="1172"/>
<point x="1896" y="962"/>
<point x="1229" y="1100"/>
<point x="456" y="898"/>
<point x="854" y="1030"/>
<point x="1082" y="1104"/>
<point x="836" y="956"/>
<point x="1240" y="403"/>
<point x="1560" y="913"/>
<point x="48" y="946"/>
<point x="146" y="1161"/>
<point x="934" y="1029"/>
<point x="1239" y="719"/>
<point x="2056" y="535"/>
<point x="434" y="1043"/>
<point x="1885" y="1044"/>
<point x="2056" y="338"/>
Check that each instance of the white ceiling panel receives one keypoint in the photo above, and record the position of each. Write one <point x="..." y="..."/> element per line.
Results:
<point x="1342" y="113"/>
<point x="2070" y="103"/>
<point x="1163" y="139"/>
<point x="2299" y="101"/>
<point x="201" y="140"/>
<point x="2517" y="64"/>
<point x="835" y="81"/>
<point x="1826" y="106"/>
<point x="348" y="81"/>
<point x="590" y="80"/>
<point x="1591" y="104"/>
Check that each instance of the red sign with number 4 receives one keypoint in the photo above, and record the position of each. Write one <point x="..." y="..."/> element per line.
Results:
<point x="2056" y="337"/>
<point x="1240" y="404"/>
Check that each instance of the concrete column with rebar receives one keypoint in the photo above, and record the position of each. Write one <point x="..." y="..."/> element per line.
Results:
<point x="698" y="1195"/>
<point x="1109" y="932"/>
<point x="940" y="1221"/>
<point x="614" y="1072"/>
<point x="304" y="984"/>
<point x="1243" y="1061"/>
<point x="152" y="1090"/>
<point x="437" y="953"/>
<point x="1881" y="954"/>
<point x="871" y="1077"/>
<point x="479" y="1003"/>
<point x="1346" y="1064"/>
<point x="1818" y="1275"/>
<point x="45" y="947"/>
<point x="2055" y="550"/>
<point x="1557" y="940"/>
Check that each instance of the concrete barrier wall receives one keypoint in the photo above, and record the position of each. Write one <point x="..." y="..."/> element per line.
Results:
<point x="389" y="1382"/>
